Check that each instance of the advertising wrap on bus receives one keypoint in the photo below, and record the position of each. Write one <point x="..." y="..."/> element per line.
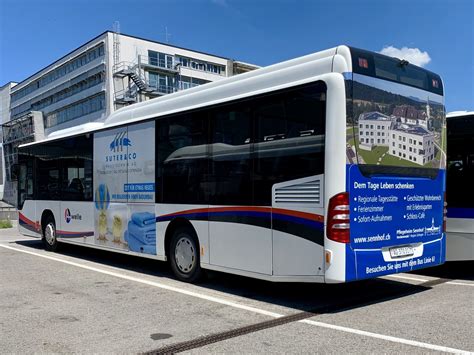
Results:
<point x="396" y="158"/>
<point x="124" y="188"/>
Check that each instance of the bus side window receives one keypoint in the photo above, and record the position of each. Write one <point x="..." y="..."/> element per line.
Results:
<point x="181" y="158"/>
<point x="48" y="180"/>
<point x="289" y="140"/>
<point x="76" y="169"/>
<point x="230" y="155"/>
<point x="25" y="178"/>
<point x="460" y="168"/>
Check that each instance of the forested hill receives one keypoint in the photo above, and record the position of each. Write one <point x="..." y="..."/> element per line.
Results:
<point x="369" y="93"/>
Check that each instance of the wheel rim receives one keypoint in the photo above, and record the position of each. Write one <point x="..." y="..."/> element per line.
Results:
<point x="185" y="255"/>
<point x="50" y="234"/>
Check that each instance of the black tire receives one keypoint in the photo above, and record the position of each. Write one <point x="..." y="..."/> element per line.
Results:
<point x="50" y="240"/>
<point x="184" y="255"/>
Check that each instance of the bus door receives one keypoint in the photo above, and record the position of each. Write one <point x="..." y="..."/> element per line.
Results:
<point x="288" y="175"/>
<point x="26" y="207"/>
<point x="240" y="233"/>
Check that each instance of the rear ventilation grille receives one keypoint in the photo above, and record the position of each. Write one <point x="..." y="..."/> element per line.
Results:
<point x="308" y="193"/>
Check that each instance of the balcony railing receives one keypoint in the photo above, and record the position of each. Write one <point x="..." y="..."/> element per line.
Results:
<point x="161" y="89"/>
<point x="124" y="66"/>
<point x="125" y="96"/>
<point x="156" y="63"/>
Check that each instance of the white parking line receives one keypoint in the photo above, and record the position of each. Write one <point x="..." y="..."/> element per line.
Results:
<point x="406" y="278"/>
<point x="402" y="277"/>
<point x="148" y="282"/>
<point x="240" y="306"/>
<point x="459" y="283"/>
<point x="386" y="337"/>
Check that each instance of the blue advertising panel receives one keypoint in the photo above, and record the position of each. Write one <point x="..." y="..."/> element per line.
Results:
<point x="395" y="176"/>
<point x="396" y="223"/>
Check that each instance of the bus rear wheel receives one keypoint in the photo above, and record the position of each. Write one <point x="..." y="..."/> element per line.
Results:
<point x="184" y="255"/>
<point x="49" y="234"/>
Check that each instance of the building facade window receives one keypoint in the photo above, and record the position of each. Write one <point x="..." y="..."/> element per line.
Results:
<point x="78" y="109"/>
<point x="82" y="85"/>
<point x="201" y="65"/>
<point x="186" y="82"/>
<point x="164" y="84"/>
<point x="57" y="73"/>
<point x="161" y="60"/>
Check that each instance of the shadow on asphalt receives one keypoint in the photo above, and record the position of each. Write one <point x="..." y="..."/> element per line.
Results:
<point x="309" y="297"/>
<point x="454" y="270"/>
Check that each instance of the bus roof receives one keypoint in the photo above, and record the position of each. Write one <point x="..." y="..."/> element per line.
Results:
<point x="459" y="114"/>
<point x="273" y="77"/>
<point x="277" y="76"/>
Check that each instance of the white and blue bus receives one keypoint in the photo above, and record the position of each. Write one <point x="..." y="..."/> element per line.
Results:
<point x="460" y="186"/>
<point x="325" y="168"/>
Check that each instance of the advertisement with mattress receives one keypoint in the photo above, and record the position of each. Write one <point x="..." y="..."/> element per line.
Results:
<point x="124" y="188"/>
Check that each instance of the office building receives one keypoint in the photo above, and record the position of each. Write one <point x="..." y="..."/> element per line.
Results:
<point x="108" y="72"/>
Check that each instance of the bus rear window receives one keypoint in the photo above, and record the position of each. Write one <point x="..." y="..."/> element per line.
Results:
<point x="394" y="69"/>
<point x="394" y="125"/>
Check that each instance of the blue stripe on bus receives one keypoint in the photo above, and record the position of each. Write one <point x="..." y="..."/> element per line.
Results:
<point x="267" y="215"/>
<point x="305" y="228"/>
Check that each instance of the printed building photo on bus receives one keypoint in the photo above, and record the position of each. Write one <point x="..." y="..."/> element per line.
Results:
<point x="395" y="124"/>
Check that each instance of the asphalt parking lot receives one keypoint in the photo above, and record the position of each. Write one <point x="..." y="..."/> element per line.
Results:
<point x="90" y="301"/>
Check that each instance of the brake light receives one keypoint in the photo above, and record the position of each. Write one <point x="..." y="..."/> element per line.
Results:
<point x="445" y="212"/>
<point x="363" y="63"/>
<point x="337" y="228"/>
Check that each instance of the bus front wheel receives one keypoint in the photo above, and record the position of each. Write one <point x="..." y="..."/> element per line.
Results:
<point x="49" y="234"/>
<point x="184" y="255"/>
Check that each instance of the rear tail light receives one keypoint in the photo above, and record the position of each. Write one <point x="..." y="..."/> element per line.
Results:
<point x="363" y="63"/>
<point x="445" y="212"/>
<point x="338" y="218"/>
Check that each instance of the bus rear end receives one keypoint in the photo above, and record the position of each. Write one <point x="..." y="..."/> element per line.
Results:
<point x="391" y="216"/>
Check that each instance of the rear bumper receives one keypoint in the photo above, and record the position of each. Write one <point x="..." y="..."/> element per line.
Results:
<point x="368" y="263"/>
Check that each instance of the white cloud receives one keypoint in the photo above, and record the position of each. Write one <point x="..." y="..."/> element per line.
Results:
<point x="413" y="55"/>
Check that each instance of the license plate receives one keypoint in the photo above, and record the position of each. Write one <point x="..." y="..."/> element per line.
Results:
<point x="401" y="252"/>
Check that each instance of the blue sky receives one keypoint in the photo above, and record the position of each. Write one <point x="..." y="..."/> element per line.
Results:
<point x="34" y="33"/>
